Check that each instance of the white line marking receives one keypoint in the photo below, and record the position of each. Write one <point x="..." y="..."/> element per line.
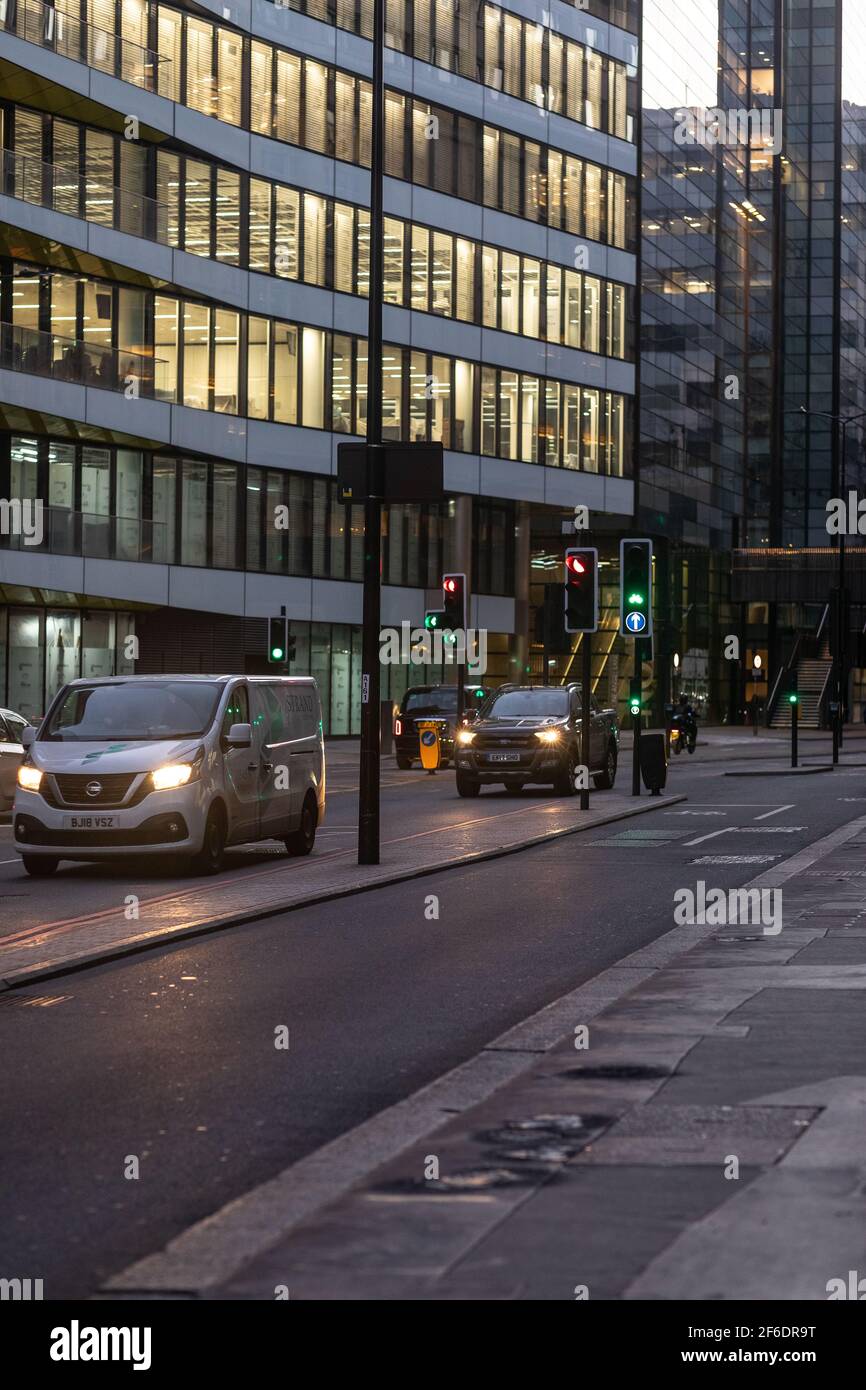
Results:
<point x="777" y="812"/>
<point x="712" y="835"/>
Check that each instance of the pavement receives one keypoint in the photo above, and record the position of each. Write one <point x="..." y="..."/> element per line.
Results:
<point x="708" y="1142"/>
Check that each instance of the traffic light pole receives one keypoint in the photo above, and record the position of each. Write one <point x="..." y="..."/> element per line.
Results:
<point x="368" y="788"/>
<point x="795" y="710"/>
<point x="585" y="719"/>
<point x="635" y="758"/>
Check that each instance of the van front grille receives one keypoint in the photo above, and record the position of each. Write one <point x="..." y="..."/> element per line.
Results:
<point x="112" y="788"/>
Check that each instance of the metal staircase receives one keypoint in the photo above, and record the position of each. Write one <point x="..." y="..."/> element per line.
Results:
<point x="813" y="675"/>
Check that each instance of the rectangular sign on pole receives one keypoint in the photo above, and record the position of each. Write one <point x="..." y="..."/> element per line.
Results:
<point x="394" y="472"/>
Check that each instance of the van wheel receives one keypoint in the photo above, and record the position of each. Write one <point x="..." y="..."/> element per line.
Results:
<point x="37" y="867"/>
<point x="303" y="839"/>
<point x="604" y="780"/>
<point x="210" y="857"/>
<point x="404" y="764"/>
<point x="467" y="786"/>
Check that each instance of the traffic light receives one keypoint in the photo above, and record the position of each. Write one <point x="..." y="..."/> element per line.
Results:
<point x="636" y="588"/>
<point x="581" y="589"/>
<point x="634" y="698"/>
<point x="454" y="601"/>
<point x="278" y="641"/>
<point x="433" y="618"/>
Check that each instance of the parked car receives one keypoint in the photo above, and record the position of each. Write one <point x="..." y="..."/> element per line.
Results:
<point x="532" y="734"/>
<point x="171" y="765"/>
<point x="437" y="702"/>
<point x="12" y="726"/>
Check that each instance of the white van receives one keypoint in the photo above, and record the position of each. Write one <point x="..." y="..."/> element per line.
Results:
<point x="179" y="765"/>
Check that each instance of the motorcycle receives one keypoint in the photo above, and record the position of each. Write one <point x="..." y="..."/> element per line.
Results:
<point x="683" y="732"/>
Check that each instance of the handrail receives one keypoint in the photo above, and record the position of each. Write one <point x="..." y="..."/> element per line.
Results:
<point x="74" y="38"/>
<point x="789" y="665"/>
<point x="61" y="531"/>
<point x="65" y="190"/>
<point x="71" y="359"/>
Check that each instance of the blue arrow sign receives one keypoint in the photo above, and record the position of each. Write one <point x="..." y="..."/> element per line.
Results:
<point x="635" y="622"/>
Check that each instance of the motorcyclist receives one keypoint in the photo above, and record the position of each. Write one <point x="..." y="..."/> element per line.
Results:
<point x="684" y="712"/>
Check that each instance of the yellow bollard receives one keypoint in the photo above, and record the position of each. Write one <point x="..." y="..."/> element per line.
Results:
<point x="428" y="733"/>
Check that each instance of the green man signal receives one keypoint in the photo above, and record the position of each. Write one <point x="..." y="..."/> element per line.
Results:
<point x="636" y="588"/>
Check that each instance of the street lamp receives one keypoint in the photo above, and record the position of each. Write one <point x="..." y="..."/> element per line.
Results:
<point x="757" y="663"/>
<point x="844" y="421"/>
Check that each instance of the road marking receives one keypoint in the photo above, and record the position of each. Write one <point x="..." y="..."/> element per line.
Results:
<point x="777" y="812"/>
<point x="694" y="813"/>
<point x="712" y="835"/>
<point x="767" y="829"/>
<point x="735" y="859"/>
<point x="16" y="860"/>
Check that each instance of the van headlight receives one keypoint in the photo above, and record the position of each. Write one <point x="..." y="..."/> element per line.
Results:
<point x="29" y="778"/>
<point x="173" y="775"/>
<point x="465" y="737"/>
<point x="548" y="735"/>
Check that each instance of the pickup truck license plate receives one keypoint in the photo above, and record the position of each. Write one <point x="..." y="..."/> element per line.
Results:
<point x="91" y="822"/>
<point x="503" y="757"/>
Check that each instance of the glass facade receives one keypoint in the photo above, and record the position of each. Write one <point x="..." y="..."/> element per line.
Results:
<point x="134" y="504"/>
<point x="102" y="316"/>
<point x="208" y="210"/>
<point x="300" y="375"/>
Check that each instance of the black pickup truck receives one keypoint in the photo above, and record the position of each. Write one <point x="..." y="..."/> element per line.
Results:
<point x="531" y="734"/>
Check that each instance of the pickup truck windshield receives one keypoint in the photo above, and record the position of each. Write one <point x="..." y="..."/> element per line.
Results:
<point x="170" y="709"/>
<point x="550" y="703"/>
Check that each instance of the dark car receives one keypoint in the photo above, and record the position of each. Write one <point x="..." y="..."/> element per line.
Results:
<point x="531" y="734"/>
<point x="422" y="702"/>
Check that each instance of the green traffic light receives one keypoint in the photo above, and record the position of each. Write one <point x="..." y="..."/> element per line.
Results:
<point x="794" y="699"/>
<point x="479" y="694"/>
<point x="635" y="707"/>
<point x="431" y="620"/>
<point x="635" y="598"/>
<point x="277" y="653"/>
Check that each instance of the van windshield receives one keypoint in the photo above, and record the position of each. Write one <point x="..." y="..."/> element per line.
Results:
<point x="167" y="709"/>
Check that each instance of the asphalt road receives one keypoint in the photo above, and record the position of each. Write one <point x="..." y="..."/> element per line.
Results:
<point x="170" y="1056"/>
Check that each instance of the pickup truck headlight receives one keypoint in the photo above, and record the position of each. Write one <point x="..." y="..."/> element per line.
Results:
<point x="29" y="778"/>
<point x="465" y="736"/>
<point x="548" y="735"/>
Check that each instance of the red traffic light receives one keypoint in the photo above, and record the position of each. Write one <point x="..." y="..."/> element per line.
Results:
<point x="450" y="586"/>
<point x="575" y="564"/>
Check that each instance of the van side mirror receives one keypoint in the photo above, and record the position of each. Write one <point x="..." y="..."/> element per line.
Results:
<point x="470" y="716"/>
<point x="28" y="736"/>
<point x="239" y="736"/>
